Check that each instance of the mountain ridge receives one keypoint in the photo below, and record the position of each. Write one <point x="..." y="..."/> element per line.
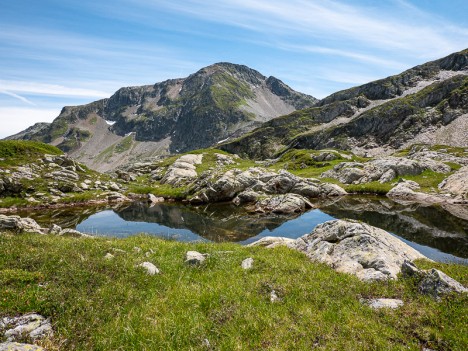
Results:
<point x="339" y="120"/>
<point x="172" y="116"/>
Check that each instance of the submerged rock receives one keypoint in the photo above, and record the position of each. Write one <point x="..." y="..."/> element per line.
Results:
<point x="351" y="247"/>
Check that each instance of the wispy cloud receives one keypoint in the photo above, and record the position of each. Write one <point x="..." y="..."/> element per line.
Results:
<point x="330" y="20"/>
<point x="47" y="89"/>
<point x="16" y="96"/>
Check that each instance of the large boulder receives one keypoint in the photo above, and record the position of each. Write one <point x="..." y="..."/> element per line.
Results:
<point x="19" y="224"/>
<point x="182" y="170"/>
<point x="283" y="204"/>
<point x="351" y="247"/>
<point x="457" y="183"/>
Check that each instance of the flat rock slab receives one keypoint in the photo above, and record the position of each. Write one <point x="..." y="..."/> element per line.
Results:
<point x="15" y="346"/>
<point x="273" y="241"/>
<point x="382" y="303"/>
<point x="351" y="247"/>
<point x="247" y="263"/>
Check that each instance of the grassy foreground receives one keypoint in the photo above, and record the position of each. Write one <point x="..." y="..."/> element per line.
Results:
<point x="100" y="304"/>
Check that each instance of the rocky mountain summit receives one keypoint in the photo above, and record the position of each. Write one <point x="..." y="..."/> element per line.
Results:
<point x="427" y="104"/>
<point x="214" y="104"/>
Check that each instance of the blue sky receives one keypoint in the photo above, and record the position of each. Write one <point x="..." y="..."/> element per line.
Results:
<point x="58" y="52"/>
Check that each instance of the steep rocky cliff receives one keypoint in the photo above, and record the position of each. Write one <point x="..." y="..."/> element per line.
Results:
<point x="177" y="115"/>
<point x="427" y="103"/>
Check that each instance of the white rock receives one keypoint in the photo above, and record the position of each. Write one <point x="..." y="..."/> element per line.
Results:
<point x="30" y="325"/>
<point x="151" y="269"/>
<point x="109" y="256"/>
<point x="351" y="247"/>
<point x="194" y="257"/>
<point x="247" y="263"/>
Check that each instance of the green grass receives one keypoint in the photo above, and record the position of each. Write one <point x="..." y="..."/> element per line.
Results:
<point x="99" y="304"/>
<point x="368" y="188"/>
<point x="7" y="202"/>
<point x="164" y="190"/>
<point x="124" y="145"/>
<point x="16" y="152"/>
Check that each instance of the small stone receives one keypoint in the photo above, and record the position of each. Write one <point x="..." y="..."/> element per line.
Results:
<point x="382" y="303"/>
<point x="155" y="199"/>
<point x="247" y="263"/>
<point x="194" y="257"/>
<point x="151" y="269"/>
<point x="72" y="233"/>
<point x="113" y="186"/>
<point x="274" y="296"/>
<point x="109" y="256"/>
<point x="137" y="249"/>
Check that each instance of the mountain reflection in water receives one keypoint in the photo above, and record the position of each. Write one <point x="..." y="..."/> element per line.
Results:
<point x="439" y="233"/>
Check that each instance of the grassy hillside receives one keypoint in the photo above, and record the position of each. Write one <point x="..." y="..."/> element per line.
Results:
<point x="101" y="304"/>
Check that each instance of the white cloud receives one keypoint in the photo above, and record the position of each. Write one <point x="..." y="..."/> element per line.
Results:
<point x="425" y="35"/>
<point x="15" y="119"/>
<point x="48" y="89"/>
<point x="16" y="96"/>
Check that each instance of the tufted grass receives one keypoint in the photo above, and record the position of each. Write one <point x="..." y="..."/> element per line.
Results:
<point x="99" y="304"/>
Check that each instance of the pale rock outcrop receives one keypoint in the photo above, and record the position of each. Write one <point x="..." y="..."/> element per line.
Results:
<point x="19" y="224"/>
<point x="16" y="346"/>
<point x="457" y="183"/>
<point x="114" y="196"/>
<point x="31" y="325"/>
<point x="155" y="199"/>
<point x="273" y="241"/>
<point x="182" y="170"/>
<point x="283" y="204"/>
<point x="382" y="169"/>
<point x="254" y="183"/>
<point x="351" y="247"/>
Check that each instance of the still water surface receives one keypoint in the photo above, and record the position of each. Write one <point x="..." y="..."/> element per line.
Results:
<point x="440" y="233"/>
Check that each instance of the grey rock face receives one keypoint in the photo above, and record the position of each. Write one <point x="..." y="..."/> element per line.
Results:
<point x="15" y="346"/>
<point x="19" y="224"/>
<point x="249" y="185"/>
<point x="283" y="204"/>
<point x="31" y="325"/>
<point x="457" y="183"/>
<point x="351" y="247"/>
<point x="194" y="258"/>
<point x="437" y="283"/>
<point x="117" y="197"/>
